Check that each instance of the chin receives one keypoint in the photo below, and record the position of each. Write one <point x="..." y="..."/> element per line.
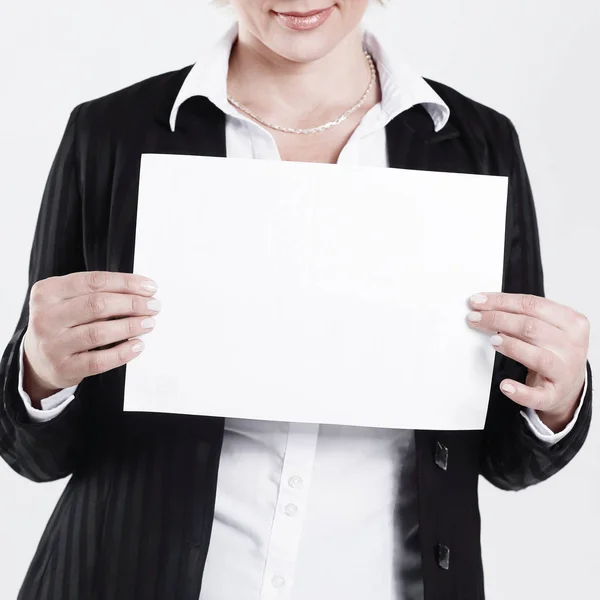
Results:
<point x="304" y="51"/>
<point x="306" y="46"/>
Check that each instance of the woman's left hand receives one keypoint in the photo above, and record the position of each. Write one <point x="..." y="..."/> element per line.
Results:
<point x="550" y="339"/>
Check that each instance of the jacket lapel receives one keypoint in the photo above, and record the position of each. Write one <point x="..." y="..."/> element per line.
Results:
<point x="199" y="129"/>
<point x="413" y="143"/>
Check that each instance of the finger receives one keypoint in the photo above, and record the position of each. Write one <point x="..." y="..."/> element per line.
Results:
<point x="540" y="360"/>
<point x="96" y="307"/>
<point x="88" y="282"/>
<point x="102" y="333"/>
<point x="537" y="398"/>
<point x="529" y="329"/>
<point x="551" y="312"/>
<point x="95" y="362"/>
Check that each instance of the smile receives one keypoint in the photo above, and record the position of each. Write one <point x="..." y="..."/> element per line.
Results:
<point x="305" y="21"/>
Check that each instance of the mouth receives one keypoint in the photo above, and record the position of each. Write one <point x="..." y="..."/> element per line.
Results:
<point x="304" y="21"/>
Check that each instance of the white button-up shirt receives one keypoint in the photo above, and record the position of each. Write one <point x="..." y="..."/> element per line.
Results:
<point x="309" y="511"/>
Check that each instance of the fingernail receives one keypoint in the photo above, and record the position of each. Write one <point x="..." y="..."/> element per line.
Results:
<point x="154" y="305"/>
<point x="148" y="323"/>
<point x="508" y="388"/>
<point x="478" y="298"/>
<point x="496" y="340"/>
<point x="149" y="286"/>
<point x="138" y="347"/>
<point x="474" y="316"/>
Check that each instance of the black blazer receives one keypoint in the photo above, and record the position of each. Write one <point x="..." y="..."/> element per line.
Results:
<point x="135" y="517"/>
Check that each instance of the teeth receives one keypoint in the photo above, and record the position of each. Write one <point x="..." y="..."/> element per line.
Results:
<point x="301" y="20"/>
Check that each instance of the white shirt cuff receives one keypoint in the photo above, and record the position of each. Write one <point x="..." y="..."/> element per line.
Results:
<point x="52" y="406"/>
<point x="542" y="431"/>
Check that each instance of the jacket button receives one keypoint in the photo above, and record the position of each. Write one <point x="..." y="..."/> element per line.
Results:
<point x="442" y="556"/>
<point x="441" y="455"/>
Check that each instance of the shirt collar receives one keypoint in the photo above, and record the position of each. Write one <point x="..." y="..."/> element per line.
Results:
<point x="401" y="87"/>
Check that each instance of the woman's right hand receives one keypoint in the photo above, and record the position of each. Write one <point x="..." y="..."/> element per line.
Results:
<point x="70" y="317"/>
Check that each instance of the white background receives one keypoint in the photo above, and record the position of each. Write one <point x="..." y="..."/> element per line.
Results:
<point x="534" y="61"/>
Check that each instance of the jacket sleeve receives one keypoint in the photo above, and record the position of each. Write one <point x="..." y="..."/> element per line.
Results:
<point x="51" y="450"/>
<point x="512" y="456"/>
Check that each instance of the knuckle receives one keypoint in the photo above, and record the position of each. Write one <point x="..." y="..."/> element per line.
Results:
<point x="95" y="280"/>
<point x="581" y="327"/>
<point x="529" y="303"/>
<point x="137" y="305"/>
<point x="584" y="323"/>
<point x="96" y="365"/>
<point x="510" y="346"/>
<point x="95" y="304"/>
<point x="546" y="361"/>
<point x="132" y="327"/>
<point x="38" y="291"/>
<point x="96" y="336"/>
<point x="127" y="283"/>
<point x="122" y="356"/>
<point x="530" y="328"/>
<point x="494" y="320"/>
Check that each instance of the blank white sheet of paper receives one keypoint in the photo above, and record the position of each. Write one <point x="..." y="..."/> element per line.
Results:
<point x="316" y="293"/>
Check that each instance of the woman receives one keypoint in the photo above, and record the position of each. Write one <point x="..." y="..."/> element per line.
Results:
<point x="170" y="506"/>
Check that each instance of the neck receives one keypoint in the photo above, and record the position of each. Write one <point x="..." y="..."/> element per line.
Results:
<point x="291" y="92"/>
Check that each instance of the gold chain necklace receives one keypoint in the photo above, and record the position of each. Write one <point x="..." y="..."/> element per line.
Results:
<point x="319" y="128"/>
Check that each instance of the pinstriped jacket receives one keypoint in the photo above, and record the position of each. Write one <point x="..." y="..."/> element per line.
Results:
<point x="134" y="520"/>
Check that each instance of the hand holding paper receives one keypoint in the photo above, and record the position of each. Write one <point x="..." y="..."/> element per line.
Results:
<point x="72" y="317"/>
<point x="550" y="339"/>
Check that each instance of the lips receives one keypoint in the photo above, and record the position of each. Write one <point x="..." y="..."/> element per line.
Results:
<point x="310" y="13"/>
<point x="305" y="21"/>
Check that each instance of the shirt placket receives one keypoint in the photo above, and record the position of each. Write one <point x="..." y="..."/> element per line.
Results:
<point x="290" y="512"/>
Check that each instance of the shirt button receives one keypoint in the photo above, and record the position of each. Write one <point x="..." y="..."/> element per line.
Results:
<point x="295" y="481"/>
<point x="291" y="510"/>
<point x="277" y="581"/>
